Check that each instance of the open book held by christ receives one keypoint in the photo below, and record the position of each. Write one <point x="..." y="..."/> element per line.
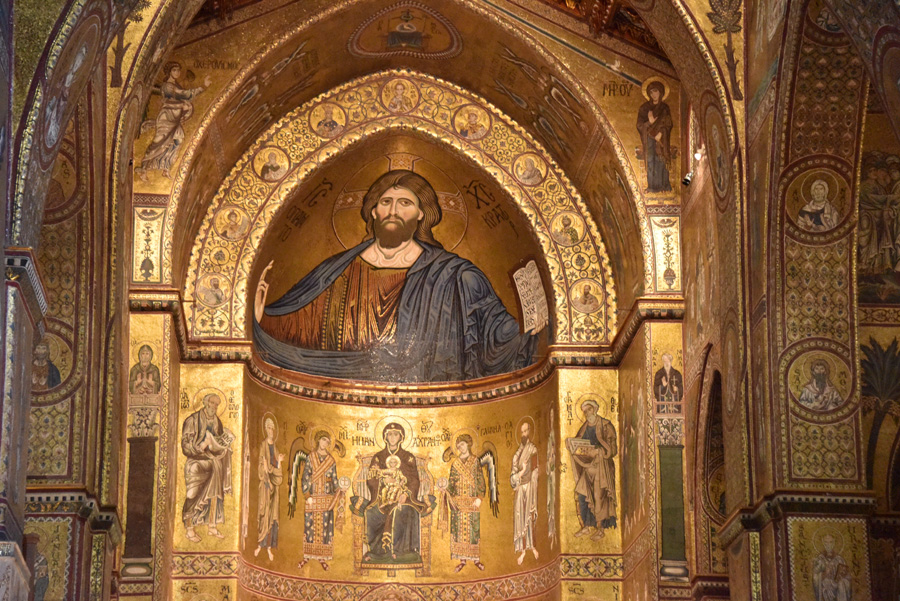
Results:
<point x="532" y="299"/>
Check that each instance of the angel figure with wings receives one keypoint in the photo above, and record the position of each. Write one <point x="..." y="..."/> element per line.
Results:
<point x="461" y="497"/>
<point x="176" y="108"/>
<point x="315" y="474"/>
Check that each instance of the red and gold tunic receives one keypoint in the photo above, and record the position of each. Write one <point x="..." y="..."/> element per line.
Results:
<point x="357" y="312"/>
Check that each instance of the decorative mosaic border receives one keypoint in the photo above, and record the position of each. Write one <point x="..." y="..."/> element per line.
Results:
<point x="388" y="395"/>
<point x="507" y="588"/>
<point x="205" y="565"/>
<point x="597" y="567"/>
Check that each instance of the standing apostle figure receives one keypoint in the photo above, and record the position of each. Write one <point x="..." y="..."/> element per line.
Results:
<point x="524" y="480"/>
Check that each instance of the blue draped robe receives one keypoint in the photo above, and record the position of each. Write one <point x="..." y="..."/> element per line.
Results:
<point x="451" y="325"/>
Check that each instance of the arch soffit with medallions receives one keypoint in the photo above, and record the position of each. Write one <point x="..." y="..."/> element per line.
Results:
<point x="185" y="187"/>
<point x="365" y="108"/>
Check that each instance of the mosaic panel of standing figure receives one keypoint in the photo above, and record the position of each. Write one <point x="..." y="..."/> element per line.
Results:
<point x="654" y="122"/>
<point x="523" y="478"/>
<point x="206" y="444"/>
<point x="398" y="306"/>
<point x="271" y="477"/>
<point x="314" y="477"/>
<point x="461" y="495"/>
<point x="592" y="450"/>
<point x="829" y="559"/>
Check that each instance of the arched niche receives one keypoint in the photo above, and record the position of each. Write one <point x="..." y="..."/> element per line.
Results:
<point x="259" y="95"/>
<point x="437" y="111"/>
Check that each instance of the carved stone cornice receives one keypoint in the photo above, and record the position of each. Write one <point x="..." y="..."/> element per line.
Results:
<point x="101" y="520"/>
<point x="23" y="273"/>
<point x="779" y="504"/>
<point x="710" y="586"/>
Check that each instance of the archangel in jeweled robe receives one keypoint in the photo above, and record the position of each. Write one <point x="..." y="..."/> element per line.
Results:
<point x="466" y="487"/>
<point x="320" y="486"/>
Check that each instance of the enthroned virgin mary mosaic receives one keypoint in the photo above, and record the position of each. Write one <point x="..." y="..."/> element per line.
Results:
<point x="396" y="307"/>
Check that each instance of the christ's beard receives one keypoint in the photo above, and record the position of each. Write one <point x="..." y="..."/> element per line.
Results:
<point x="395" y="232"/>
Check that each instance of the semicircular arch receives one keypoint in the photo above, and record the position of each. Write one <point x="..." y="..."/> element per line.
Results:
<point x="366" y="111"/>
<point x="182" y="197"/>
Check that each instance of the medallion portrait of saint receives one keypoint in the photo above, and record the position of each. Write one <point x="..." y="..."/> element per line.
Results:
<point x="45" y="375"/>
<point x="232" y="223"/>
<point x="818" y="214"/>
<point x="326" y="122"/>
<point x="211" y="291"/>
<point x="819" y="393"/>
<point x="272" y="170"/>
<point x="397" y="97"/>
<point x="396" y="307"/>
<point x="472" y="123"/>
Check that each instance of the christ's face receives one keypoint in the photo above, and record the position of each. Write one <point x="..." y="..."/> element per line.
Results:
<point x="393" y="438"/>
<point x="397" y="215"/>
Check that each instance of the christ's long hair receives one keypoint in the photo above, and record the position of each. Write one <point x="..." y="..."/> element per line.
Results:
<point x="418" y="185"/>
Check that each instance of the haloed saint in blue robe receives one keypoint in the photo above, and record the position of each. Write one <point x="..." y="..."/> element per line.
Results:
<point x="440" y="320"/>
